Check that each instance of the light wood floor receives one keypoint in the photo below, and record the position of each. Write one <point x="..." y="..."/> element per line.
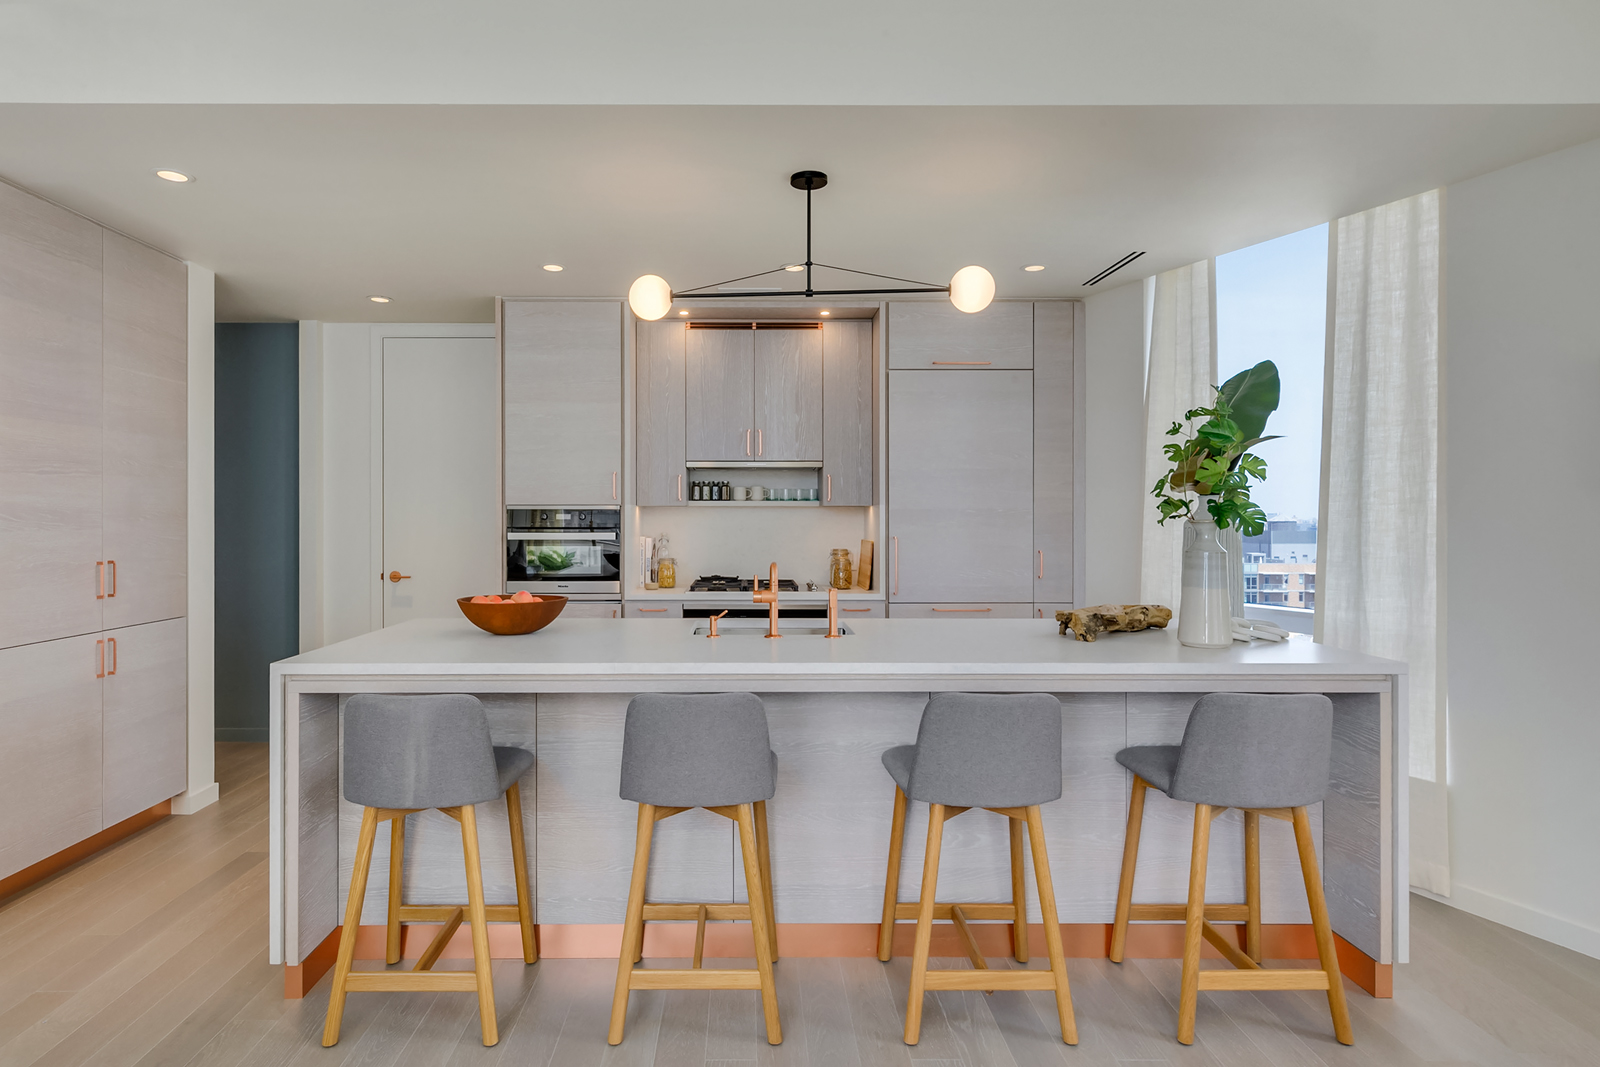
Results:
<point x="153" y="952"/>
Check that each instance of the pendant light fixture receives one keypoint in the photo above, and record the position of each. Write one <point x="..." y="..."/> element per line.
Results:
<point x="650" y="297"/>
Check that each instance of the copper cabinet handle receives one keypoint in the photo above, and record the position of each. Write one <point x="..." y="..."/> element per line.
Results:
<point x="396" y="576"/>
<point x="830" y="488"/>
<point x="760" y="448"/>
<point x="962" y="362"/>
<point x="1041" y="564"/>
<point x="855" y="609"/>
<point x="895" y="543"/>
<point x="100" y="578"/>
<point x="112" y="641"/>
<point x="680" y="487"/>
<point x="100" y="658"/>
<point x="111" y="565"/>
<point x="642" y="610"/>
<point x="747" y="442"/>
<point x="613" y="485"/>
<point x="963" y="609"/>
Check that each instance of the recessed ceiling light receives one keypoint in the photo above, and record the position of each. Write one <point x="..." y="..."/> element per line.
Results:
<point x="174" y="176"/>
<point x="553" y="267"/>
<point x="1036" y="266"/>
<point x="794" y="268"/>
<point x="827" y="313"/>
<point x="683" y="313"/>
<point x="378" y="299"/>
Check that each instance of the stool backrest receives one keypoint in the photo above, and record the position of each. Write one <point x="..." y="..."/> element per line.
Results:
<point x="696" y="750"/>
<point x="988" y="750"/>
<point x="1244" y="750"/>
<point x="417" y="751"/>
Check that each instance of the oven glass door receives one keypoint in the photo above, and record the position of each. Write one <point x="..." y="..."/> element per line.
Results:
<point x="564" y="558"/>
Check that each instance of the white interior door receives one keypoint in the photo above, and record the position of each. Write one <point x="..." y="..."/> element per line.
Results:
<point x="442" y="529"/>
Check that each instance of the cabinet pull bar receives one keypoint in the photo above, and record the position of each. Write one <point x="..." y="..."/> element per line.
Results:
<point x="613" y="485"/>
<point x="747" y="442"/>
<point x="100" y="578"/>
<point x="680" y="487"/>
<point x="111" y="565"/>
<point x="112" y="641"/>
<point x="100" y="658"/>
<point x="642" y="610"/>
<point x="830" y="488"/>
<point x="1041" y="564"/>
<point x="962" y="362"/>
<point x="760" y="446"/>
<point x="895" y="543"/>
<point x="855" y="609"/>
<point x="963" y="609"/>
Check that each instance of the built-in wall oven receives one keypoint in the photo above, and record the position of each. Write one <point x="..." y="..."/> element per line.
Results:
<point x="573" y="552"/>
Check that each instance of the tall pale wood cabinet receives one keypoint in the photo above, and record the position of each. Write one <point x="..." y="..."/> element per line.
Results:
<point x="847" y="406"/>
<point x="754" y="393"/>
<point x="563" y="402"/>
<point x="659" y="404"/>
<point x="93" y="528"/>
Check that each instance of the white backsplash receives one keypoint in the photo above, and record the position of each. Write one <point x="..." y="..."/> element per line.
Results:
<point x="745" y="540"/>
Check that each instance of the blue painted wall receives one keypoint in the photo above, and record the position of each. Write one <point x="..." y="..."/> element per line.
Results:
<point x="257" y="519"/>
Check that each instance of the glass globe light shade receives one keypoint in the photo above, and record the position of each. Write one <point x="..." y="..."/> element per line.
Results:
<point x="971" y="289"/>
<point x="651" y="297"/>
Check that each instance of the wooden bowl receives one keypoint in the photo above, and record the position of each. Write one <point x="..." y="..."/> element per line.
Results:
<point x="508" y="617"/>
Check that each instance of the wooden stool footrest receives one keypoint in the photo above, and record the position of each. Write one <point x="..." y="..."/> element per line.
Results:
<point x="989" y="910"/>
<point x="1265" y="978"/>
<point x="1224" y="913"/>
<point x="440" y="913"/>
<point x="988" y="980"/>
<point x="702" y="979"/>
<point x="411" y="981"/>
<point x="691" y="912"/>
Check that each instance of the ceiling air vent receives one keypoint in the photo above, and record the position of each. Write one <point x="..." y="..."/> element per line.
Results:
<point x="1109" y="271"/>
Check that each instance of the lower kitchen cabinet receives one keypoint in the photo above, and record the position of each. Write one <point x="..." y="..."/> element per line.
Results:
<point x="577" y="609"/>
<point x="1048" y="611"/>
<point x="50" y="749"/>
<point x="145" y="717"/>
<point x="897" y="610"/>
<point x="848" y="611"/>
<point x="645" y="609"/>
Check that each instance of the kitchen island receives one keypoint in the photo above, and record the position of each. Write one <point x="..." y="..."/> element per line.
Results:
<point x="833" y="707"/>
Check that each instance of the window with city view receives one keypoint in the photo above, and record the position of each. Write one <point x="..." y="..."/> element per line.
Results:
<point x="1272" y="304"/>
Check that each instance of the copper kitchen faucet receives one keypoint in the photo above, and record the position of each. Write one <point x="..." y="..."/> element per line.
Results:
<point x="769" y="598"/>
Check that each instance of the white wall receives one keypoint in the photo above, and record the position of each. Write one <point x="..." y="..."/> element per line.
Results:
<point x="1114" y="443"/>
<point x="745" y="542"/>
<point x="1522" y="386"/>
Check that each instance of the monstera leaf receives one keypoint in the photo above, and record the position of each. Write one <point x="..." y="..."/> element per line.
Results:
<point x="1252" y="395"/>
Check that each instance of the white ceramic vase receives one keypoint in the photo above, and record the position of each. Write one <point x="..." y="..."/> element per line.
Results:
<point x="1205" y="612"/>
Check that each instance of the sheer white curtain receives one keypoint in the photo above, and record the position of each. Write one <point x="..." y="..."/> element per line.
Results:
<point x="1379" y="550"/>
<point x="1182" y="369"/>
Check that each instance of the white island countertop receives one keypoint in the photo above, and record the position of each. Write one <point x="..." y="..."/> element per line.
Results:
<point x="621" y="654"/>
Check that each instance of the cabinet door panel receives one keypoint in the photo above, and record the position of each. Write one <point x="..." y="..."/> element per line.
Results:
<point x="50" y="418"/>
<point x="961" y="611"/>
<point x="563" y="403"/>
<point x="1054" y="438"/>
<point x="788" y="394"/>
<point x="146" y="432"/>
<point x="49" y="749"/>
<point x="933" y="335"/>
<point x="145" y="718"/>
<point x="847" y="414"/>
<point x="659" y="400"/>
<point x="961" y="487"/>
<point x="720" y="378"/>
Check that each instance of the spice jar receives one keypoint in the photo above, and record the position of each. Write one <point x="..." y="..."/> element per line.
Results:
<point x="666" y="572"/>
<point x="839" y="569"/>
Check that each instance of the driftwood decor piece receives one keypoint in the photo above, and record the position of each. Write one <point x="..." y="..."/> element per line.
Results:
<point x="1089" y="623"/>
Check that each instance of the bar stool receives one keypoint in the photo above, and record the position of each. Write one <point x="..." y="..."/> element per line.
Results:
<point x="404" y="754"/>
<point x="979" y="750"/>
<point x="699" y="751"/>
<point x="1266" y="755"/>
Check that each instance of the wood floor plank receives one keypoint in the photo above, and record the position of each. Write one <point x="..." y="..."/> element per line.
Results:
<point x="734" y="1015"/>
<point x="937" y="1041"/>
<point x="973" y="1029"/>
<point x="830" y="1040"/>
<point x="514" y="983"/>
<point x="878" y="1016"/>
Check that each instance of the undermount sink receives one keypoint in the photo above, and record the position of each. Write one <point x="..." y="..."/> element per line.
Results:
<point x="742" y="629"/>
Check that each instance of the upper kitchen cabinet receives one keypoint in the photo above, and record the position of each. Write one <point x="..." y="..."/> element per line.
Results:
<point x="720" y="376"/>
<point x="933" y="335"/>
<point x="1057" y="327"/>
<point x="146" y="434"/>
<point x="659" y="401"/>
<point x="847" y="413"/>
<point x="51" y="453"/>
<point x="788" y="398"/>
<point x="563" y="402"/>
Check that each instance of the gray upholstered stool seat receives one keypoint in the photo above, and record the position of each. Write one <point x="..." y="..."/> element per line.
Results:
<point x="978" y="750"/>
<point x="404" y="754"/>
<point x="683" y="751"/>
<point x="1266" y="755"/>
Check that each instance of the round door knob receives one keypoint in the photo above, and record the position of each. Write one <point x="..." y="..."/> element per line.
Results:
<point x="395" y="576"/>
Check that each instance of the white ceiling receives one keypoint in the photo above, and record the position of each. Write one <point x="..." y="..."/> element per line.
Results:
<point x="305" y="210"/>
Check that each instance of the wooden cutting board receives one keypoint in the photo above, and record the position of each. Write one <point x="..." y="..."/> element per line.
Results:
<point x="864" y="566"/>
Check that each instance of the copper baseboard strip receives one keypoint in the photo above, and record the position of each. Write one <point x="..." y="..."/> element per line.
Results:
<point x="1287" y="941"/>
<point x="13" y="884"/>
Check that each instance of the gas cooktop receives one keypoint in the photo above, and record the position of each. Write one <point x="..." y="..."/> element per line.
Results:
<point x="721" y="583"/>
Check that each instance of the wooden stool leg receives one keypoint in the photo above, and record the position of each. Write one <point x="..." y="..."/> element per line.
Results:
<point x="352" y="924"/>
<point x="1194" y="920"/>
<point x="765" y="854"/>
<point x="1252" y="885"/>
<point x="397" y="852"/>
<point x="760" y="909"/>
<point x="478" y="916"/>
<point x="519" y="863"/>
<point x="919" y="957"/>
<point x="1052" y="926"/>
<point x="1019" y="896"/>
<point x="1320" y="926"/>
<point x="891" y="882"/>
<point x="632" y="922"/>
<point x="1130" y="860"/>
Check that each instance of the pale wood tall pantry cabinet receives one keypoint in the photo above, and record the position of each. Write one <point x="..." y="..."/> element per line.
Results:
<point x="93" y="521"/>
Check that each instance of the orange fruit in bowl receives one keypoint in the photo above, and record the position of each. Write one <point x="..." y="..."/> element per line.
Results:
<point x="486" y="599"/>
<point x="522" y="596"/>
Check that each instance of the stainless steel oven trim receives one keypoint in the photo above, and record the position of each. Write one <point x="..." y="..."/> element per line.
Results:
<point x="556" y="535"/>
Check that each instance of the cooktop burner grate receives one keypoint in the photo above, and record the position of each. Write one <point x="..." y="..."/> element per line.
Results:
<point x="722" y="583"/>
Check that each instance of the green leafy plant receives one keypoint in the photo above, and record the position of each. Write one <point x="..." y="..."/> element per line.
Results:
<point x="1214" y="459"/>
<point x="553" y="559"/>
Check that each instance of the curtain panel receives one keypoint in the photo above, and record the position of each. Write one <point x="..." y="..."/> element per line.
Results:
<point x="1379" y="530"/>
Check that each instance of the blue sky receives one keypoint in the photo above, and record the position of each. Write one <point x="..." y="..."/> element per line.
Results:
<point x="1272" y="304"/>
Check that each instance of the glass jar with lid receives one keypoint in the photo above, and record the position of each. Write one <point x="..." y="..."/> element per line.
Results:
<point x="839" y="575"/>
